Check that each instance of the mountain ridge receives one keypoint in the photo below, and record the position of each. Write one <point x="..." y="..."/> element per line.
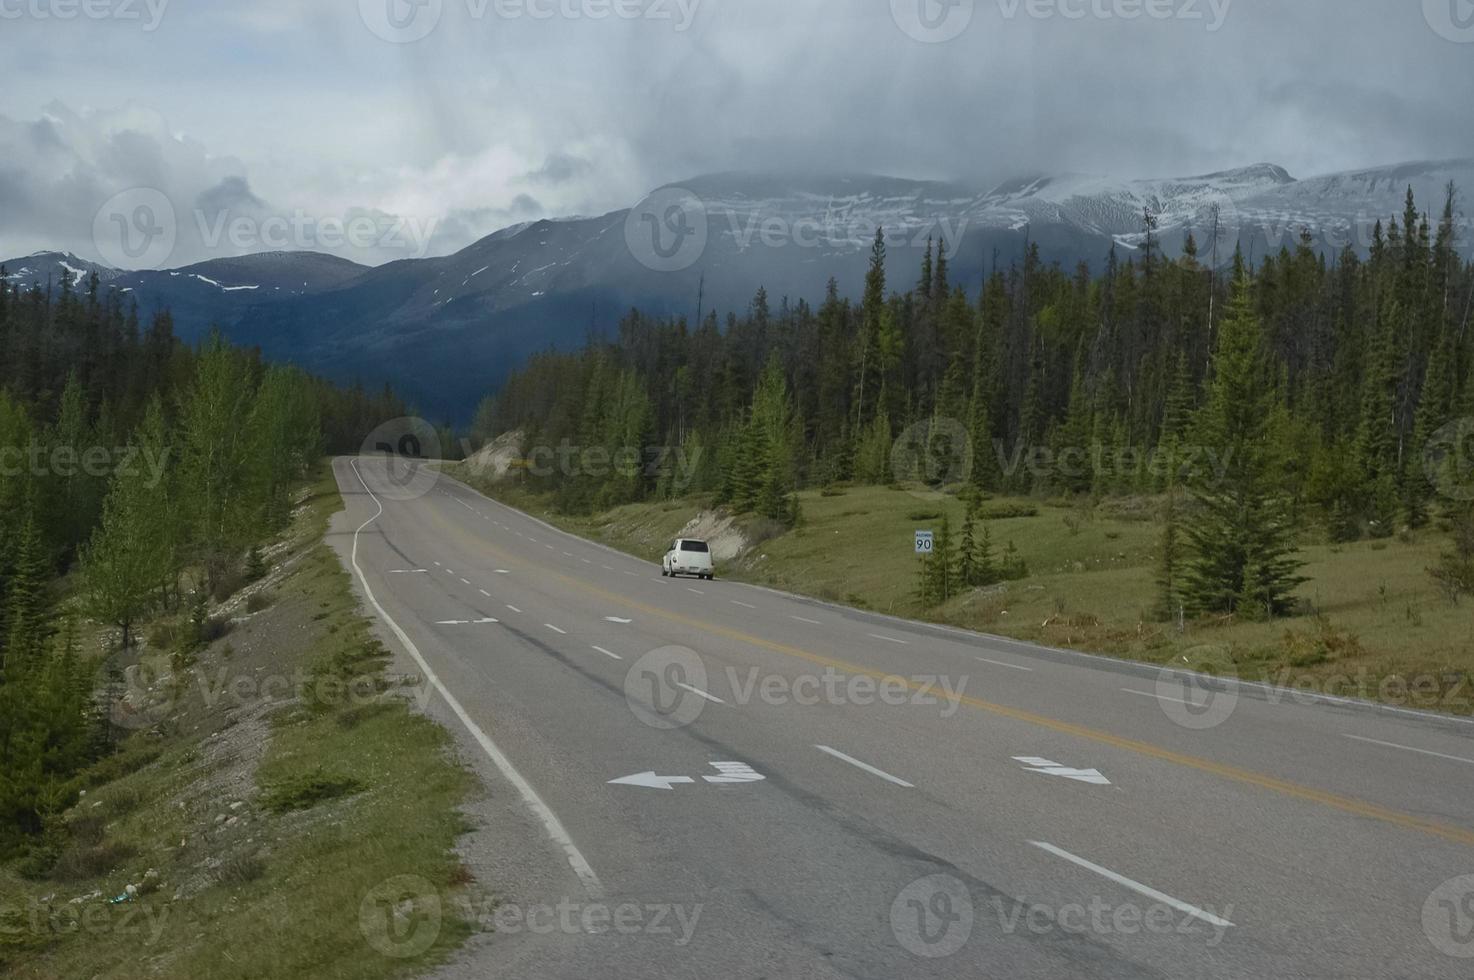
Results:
<point x="447" y="329"/>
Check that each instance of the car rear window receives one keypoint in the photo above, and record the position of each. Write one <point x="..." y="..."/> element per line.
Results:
<point x="697" y="546"/>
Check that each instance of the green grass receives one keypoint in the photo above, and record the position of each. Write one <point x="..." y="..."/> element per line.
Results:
<point x="1374" y="625"/>
<point x="351" y="797"/>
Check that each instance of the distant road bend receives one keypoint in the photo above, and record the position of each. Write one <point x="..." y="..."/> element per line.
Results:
<point x="813" y="791"/>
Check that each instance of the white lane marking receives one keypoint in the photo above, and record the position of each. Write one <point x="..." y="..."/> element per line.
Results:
<point x="513" y="608"/>
<point x="454" y="622"/>
<point x="606" y="568"/>
<point x="450" y="571"/>
<point x="586" y="561"/>
<point x="633" y="574"/>
<point x="503" y="571"/>
<point x="1161" y="697"/>
<point x="1135" y="886"/>
<point x="616" y="619"/>
<point x="700" y="693"/>
<point x="865" y="766"/>
<point x="697" y="591"/>
<point x="889" y="639"/>
<point x="409" y="571"/>
<point x="811" y="622"/>
<point x="548" y="546"/>
<point x="608" y="654"/>
<point x="567" y="554"/>
<point x="1046" y="767"/>
<point x="1409" y="748"/>
<point x="1000" y="663"/>
<point x="556" y="629"/>
<point x="465" y="581"/>
<point x="484" y="592"/>
<point x="437" y="564"/>
<point x="744" y="605"/>
<point x="541" y="810"/>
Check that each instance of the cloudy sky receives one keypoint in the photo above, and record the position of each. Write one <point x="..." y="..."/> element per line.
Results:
<point x="438" y="121"/>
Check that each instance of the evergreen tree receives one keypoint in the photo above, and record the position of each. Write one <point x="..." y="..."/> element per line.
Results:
<point x="1244" y="545"/>
<point x="1169" y="559"/>
<point x="129" y="557"/>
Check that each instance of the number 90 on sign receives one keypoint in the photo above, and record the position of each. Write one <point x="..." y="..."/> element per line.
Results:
<point x="925" y="542"/>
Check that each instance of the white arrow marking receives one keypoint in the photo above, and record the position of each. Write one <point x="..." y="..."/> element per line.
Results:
<point x="1047" y="768"/>
<point x="648" y="780"/>
<point x="735" y="772"/>
<point x="616" y="619"/>
<point x="730" y="772"/>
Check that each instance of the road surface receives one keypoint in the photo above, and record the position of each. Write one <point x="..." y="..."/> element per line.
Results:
<point x="729" y="781"/>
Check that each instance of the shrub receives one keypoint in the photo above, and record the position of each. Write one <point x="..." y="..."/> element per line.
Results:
<point x="259" y="601"/>
<point x="1005" y="511"/>
<point x="82" y="862"/>
<point x="240" y="870"/>
<point x="303" y="791"/>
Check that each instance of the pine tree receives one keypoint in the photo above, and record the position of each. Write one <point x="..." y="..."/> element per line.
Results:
<point x="129" y="556"/>
<point x="967" y="570"/>
<point x="1455" y="571"/>
<point x="1433" y="413"/>
<point x="216" y="457"/>
<point x="1244" y="549"/>
<point x="1377" y="439"/>
<point x="1170" y="558"/>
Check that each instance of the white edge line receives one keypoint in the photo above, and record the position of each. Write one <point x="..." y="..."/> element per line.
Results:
<point x="699" y="692"/>
<point x="1409" y="748"/>
<point x="865" y="766"/>
<point x="1160" y="697"/>
<point x="1135" y="886"/>
<point x="1000" y="663"/>
<point x="541" y="810"/>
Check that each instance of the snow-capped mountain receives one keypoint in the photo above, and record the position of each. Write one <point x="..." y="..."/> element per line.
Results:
<point x="446" y="330"/>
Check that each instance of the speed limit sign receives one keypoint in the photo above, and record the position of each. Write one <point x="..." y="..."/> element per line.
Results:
<point x="925" y="540"/>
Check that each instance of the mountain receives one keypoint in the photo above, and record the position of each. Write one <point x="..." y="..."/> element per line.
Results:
<point x="447" y="330"/>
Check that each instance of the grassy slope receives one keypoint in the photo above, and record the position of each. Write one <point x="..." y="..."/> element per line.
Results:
<point x="1382" y="627"/>
<point x="271" y="894"/>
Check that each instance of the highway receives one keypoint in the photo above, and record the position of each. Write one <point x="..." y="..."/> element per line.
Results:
<point x="795" y="789"/>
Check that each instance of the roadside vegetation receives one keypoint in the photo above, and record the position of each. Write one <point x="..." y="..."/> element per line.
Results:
<point x="204" y="771"/>
<point x="1370" y="622"/>
<point x="262" y="790"/>
<point x="1247" y="471"/>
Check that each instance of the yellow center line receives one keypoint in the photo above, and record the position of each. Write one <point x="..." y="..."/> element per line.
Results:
<point x="1345" y="804"/>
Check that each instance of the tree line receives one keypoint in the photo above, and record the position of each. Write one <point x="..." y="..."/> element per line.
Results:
<point x="1297" y="394"/>
<point x="136" y="474"/>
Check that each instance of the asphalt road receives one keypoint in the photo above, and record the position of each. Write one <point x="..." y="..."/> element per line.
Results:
<point x="721" y="780"/>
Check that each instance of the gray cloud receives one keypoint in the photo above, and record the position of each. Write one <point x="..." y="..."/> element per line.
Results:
<point x="490" y="121"/>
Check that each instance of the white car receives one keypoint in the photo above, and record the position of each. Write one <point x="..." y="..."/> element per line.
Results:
<point x="688" y="556"/>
